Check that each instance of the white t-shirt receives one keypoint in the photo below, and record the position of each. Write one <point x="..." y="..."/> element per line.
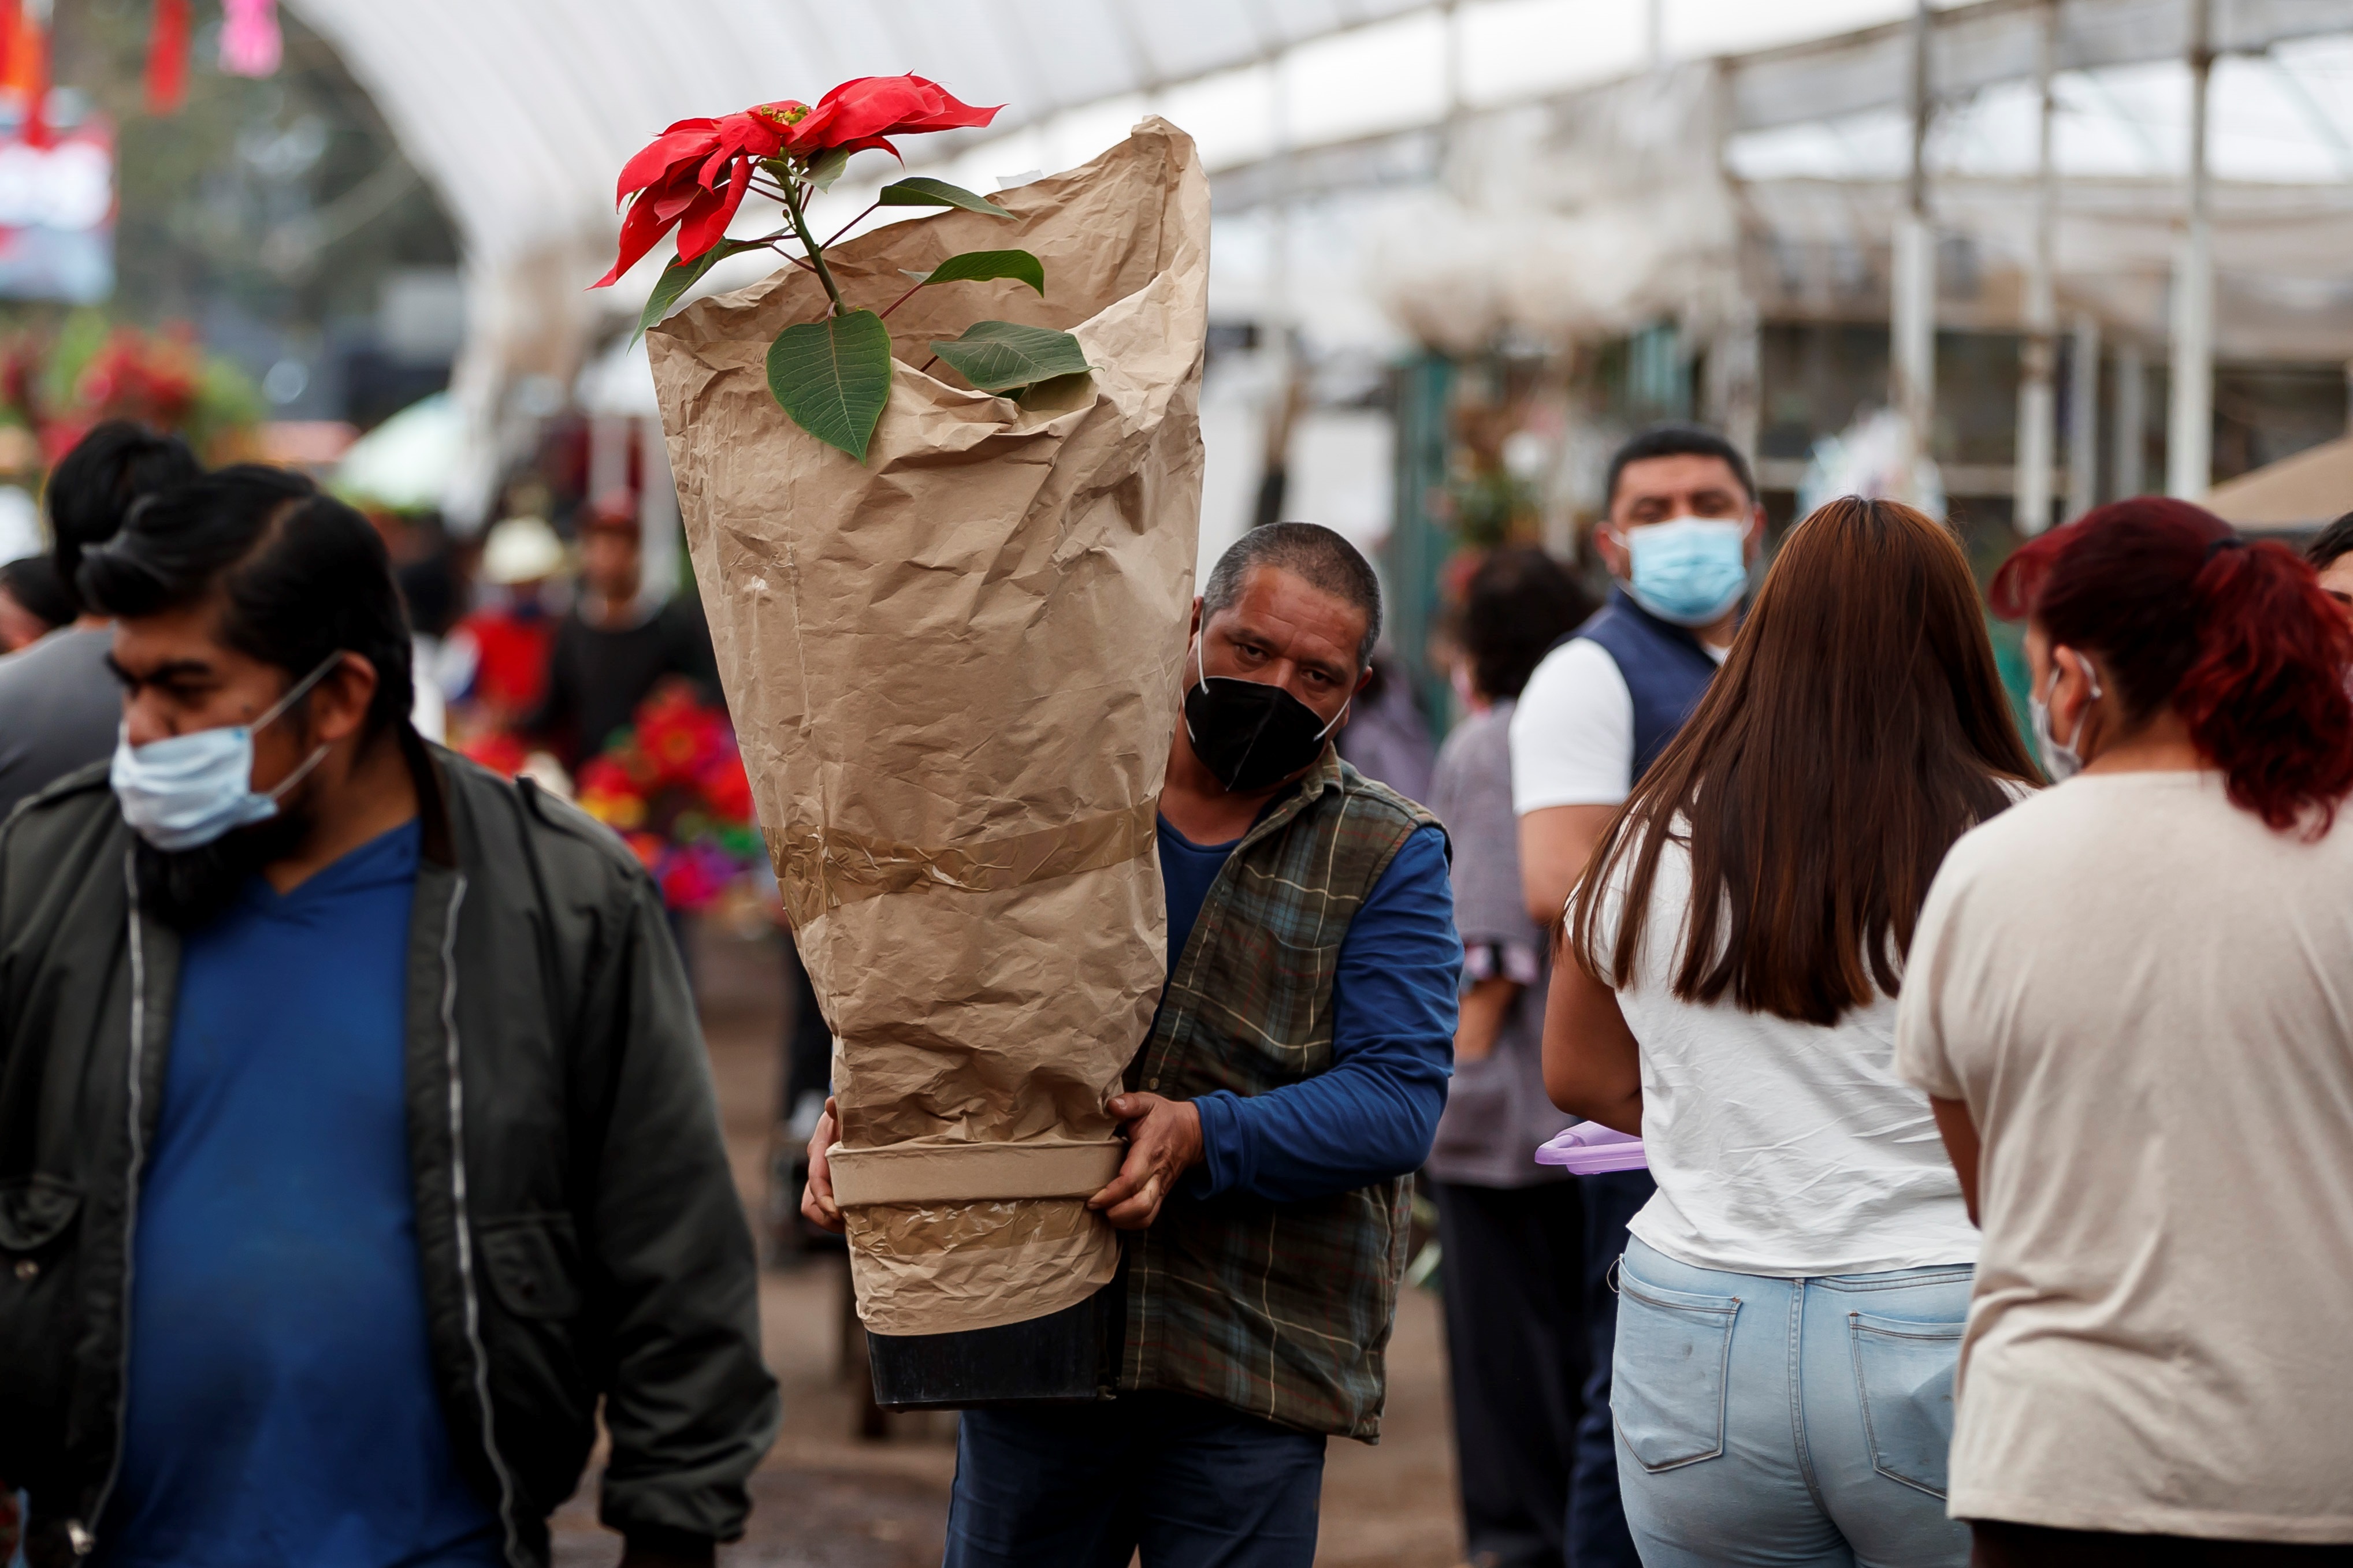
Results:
<point x="1573" y="732"/>
<point x="2145" y="997"/>
<point x="1779" y="1148"/>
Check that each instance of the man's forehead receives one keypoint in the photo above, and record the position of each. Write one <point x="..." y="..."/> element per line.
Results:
<point x="1273" y="595"/>
<point x="187" y="636"/>
<point x="1676" y="472"/>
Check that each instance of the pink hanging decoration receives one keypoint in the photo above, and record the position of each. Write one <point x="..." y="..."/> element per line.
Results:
<point x="249" y="41"/>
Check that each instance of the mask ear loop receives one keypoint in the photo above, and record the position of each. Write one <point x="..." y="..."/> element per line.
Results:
<point x="278" y="791"/>
<point x="1343" y="713"/>
<point x="2092" y="677"/>
<point x="278" y="709"/>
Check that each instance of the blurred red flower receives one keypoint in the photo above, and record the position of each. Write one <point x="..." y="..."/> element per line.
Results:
<point x="497" y="751"/>
<point x="728" y="789"/>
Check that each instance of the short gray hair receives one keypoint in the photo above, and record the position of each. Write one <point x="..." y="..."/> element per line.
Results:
<point x="1309" y="550"/>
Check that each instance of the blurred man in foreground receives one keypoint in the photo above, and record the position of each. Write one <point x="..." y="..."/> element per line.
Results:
<point x="59" y="705"/>
<point x="360" y="1138"/>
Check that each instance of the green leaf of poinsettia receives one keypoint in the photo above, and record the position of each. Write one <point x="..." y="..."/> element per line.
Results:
<point x="827" y="167"/>
<point x="976" y="264"/>
<point x="680" y="275"/>
<point x="833" y="378"/>
<point x="922" y="191"/>
<point x="997" y="356"/>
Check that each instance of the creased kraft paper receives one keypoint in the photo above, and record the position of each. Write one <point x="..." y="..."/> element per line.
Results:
<point x="955" y="675"/>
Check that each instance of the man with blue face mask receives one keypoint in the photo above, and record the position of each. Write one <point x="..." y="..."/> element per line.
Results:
<point x="358" y="1135"/>
<point x="1683" y="529"/>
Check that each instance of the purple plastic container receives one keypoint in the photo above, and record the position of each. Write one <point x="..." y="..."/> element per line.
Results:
<point x="1589" y="1149"/>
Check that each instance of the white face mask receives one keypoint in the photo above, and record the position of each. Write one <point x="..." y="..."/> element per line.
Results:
<point x="2062" y="760"/>
<point x="184" y="791"/>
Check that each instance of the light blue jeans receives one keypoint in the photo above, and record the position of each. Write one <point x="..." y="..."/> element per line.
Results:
<point x="1779" y="1422"/>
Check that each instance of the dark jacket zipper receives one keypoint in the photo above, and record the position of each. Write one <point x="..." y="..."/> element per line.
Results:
<point x="81" y="1535"/>
<point x="512" y="1547"/>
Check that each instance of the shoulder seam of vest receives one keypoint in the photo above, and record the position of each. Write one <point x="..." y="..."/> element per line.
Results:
<point x="1372" y="791"/>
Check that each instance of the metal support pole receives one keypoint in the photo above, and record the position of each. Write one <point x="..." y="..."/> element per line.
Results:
<point x="657" y="516"/>
<point x="609" y="438"/>
<point x="1735" y="372"/>
<point x="2038" y="354"/>
<point x="2190" y="424"/>
<point x="2083" y="417"/>
<point x="2129" y="476"/>
<point x="1912" y="327"/>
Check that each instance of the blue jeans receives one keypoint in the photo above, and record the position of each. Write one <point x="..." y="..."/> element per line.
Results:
<point x="1765" y="1421"/>
<point x="1191" y="1483"/>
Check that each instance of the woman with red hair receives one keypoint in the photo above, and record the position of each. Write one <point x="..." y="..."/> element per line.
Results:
<point x="2131" y="1001"/>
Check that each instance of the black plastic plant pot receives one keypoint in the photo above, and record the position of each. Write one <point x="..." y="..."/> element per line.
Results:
<point x="1061" y="1358"/>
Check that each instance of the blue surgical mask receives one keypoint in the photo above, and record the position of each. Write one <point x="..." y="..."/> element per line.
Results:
<point x="2060" y="760"/>
<point x="1690" y="570"/>
<point x="184" y="791"/>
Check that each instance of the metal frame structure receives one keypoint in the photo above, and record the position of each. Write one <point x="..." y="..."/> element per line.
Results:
<point x="519" y="111"/>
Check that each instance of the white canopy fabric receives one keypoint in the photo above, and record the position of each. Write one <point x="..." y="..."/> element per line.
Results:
<point x="405" y="463"/>
<point x="1499" y="164"/>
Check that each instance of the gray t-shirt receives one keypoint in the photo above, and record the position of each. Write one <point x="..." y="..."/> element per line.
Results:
<point x="59" y="708"/>
<point x="1497" y="1109"/>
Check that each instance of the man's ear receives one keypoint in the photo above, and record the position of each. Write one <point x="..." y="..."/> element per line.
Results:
<point x="1755" y="542"/>
<point x="338" y="703"/>
<point x="1610" y="548"/>
<point x="1195" y="630"/>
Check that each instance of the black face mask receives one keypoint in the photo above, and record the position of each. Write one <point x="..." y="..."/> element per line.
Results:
<point x="1250" y="734"/>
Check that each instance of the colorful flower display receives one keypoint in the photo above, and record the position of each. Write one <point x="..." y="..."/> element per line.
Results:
<point x="673" y="786"/>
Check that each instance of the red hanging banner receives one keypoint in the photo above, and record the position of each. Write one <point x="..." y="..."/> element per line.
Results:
<point x="27" y="68"/>
<point x="167" y="58"/>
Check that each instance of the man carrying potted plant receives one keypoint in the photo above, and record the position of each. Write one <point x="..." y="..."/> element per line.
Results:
<point x="1290" y="1082"/>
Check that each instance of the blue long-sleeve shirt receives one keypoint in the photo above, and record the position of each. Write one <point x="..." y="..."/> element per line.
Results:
<point x="1372" y="1114"/>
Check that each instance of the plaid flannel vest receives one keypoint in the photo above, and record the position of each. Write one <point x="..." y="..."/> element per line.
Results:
<point x="1279" y="1309"/>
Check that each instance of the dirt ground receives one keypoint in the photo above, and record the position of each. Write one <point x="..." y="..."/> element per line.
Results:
<point x="826" y="1497"/>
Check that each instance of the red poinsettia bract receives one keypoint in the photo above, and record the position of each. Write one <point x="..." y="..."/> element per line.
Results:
<point x="863" y="111"/>
<point x="696" y="173"/>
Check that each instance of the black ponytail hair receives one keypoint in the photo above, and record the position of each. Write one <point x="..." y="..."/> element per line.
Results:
<point x="97" y="483"/>
<point x="299" y="575"/>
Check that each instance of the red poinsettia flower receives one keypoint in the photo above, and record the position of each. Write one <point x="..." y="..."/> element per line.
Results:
<point x="694" y="175"/>
<point x="863" y="111"/>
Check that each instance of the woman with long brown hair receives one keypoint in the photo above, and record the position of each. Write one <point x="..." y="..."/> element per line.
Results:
<point x="1792" y="1300"/>
<point x="2131" y="999"/>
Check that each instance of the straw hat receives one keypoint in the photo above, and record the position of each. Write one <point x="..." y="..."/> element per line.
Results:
<point x="521" y="549"/>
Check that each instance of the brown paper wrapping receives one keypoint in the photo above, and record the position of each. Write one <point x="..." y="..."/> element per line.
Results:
<point x="955" y="675"/>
